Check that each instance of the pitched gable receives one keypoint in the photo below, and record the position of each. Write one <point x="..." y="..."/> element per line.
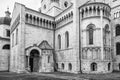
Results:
<point x="45" y="45"/>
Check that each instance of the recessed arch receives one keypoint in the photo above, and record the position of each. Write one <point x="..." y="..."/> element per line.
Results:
<point x="26" y="17"/>
<point x="38" y="20"/>
<point x="34" y="60"/>
<point x="94" y="66"/>
<point x="66" y="39"/>
<point x="98" y="10"/>
<point x="90" y="9"/>
<point x="34" y="47"/>
<point x="83" y="13"/>
<point x="6" y="46"/>
<point x="59" y="41"/>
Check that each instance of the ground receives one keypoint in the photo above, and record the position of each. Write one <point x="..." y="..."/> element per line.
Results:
<point x="58" y="76"/>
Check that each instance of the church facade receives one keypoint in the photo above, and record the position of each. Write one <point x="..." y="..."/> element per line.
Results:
<point x="65" y="35"/>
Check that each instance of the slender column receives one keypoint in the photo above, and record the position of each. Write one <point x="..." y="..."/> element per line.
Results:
<point x="102" y="47"/>
<point x="80" y="41"/>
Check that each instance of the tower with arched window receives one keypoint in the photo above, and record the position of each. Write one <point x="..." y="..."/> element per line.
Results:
<point x="54" y="7"/>
<point x="95" y="38"/>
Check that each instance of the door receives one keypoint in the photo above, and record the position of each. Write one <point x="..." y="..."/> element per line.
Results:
<point x="34" y="61"/>
<point x="36" y="64"/>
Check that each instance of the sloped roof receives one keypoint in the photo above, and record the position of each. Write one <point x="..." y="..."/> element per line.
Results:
<point x="45" y="45"/>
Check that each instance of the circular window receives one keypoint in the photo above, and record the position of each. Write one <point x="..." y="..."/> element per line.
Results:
<point x="44" y="6"/>
<point x="66" y="4"/>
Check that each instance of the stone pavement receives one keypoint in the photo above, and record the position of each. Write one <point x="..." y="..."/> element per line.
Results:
<point x="70" y="76"/>
<point x="58" y="76"/>
<point x="24" y="76"/>
<point x="67" y="77"/>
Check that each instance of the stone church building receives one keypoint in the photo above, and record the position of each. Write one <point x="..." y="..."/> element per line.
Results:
<point x="64" y="35"/>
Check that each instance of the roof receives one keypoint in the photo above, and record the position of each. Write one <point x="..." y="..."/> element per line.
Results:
<point x="45" y="45"/>
<point x="5" y="20"/>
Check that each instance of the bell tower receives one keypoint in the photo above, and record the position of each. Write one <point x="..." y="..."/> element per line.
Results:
<point x="50" y="7"/>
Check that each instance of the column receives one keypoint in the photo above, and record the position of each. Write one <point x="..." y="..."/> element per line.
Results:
<point x="102" y="47"/>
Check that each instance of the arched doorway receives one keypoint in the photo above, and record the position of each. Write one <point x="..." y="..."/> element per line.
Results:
<point x="34" y="60"/>
<point x="93" y="67"/>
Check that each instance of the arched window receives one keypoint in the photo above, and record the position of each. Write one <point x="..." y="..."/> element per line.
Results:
<point x="70" y="66"/>
<point x="59" y="41"/>
<point x="90" y="30"/>
<point x="118" y="48"/>
<point x="109" y="66"/>
<point x="117" y="29"/>
<point x="7" y="46"/>
<point x="66" y="39"/>
<point x="106" y="33"/>
<point x="62" y="66"/>
<point x="93" y="67"/>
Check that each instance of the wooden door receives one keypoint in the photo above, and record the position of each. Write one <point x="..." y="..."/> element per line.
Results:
<point x="36" y="64"/>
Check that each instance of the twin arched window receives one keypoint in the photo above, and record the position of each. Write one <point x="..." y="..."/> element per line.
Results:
<point x="66" y="40"/>
<point x="90" y="30"/>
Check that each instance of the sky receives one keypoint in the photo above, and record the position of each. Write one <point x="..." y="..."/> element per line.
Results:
<point x="4" y="4"/>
